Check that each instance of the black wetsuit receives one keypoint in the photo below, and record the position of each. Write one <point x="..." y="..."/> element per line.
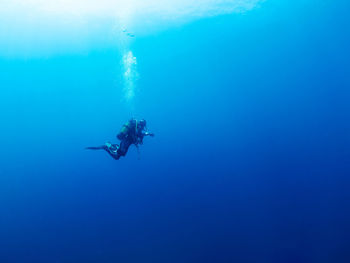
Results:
<point x="124" y="146"/>
<point x="130" y="134"/>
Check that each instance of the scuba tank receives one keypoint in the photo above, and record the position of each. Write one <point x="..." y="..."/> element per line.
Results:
<point x="127" y="130"/>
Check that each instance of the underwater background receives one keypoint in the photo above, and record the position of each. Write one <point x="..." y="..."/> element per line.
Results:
<point x="250" y="162"/>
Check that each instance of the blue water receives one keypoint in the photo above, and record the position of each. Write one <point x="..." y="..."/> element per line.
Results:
<point x="250" y="162"/>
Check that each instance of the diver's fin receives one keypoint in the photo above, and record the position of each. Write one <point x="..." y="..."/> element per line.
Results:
<point x="102" y="147"/>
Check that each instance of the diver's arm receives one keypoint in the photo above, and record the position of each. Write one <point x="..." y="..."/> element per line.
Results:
<point x="148" y="134"/>
<point x="142" y="135"/>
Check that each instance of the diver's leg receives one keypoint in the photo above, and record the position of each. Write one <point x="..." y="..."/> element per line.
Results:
<point x="113" y="154"/>
<point x="106" y="146"/>
<point x="111" y="149"/>
<point x="123" y="148"/>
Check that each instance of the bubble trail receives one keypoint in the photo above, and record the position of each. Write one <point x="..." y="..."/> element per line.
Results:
<point x="130" y="75"/>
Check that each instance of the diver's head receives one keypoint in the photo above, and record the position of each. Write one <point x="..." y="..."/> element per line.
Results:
<point x="142" y="123"/>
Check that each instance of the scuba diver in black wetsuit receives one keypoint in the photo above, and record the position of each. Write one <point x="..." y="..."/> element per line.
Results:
<point x="132" y="132"/>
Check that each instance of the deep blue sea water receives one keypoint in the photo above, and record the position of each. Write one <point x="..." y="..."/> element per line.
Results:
<point x="250" y="162"/>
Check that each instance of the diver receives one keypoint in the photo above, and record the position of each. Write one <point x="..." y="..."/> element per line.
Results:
<point x="132" y="132"/>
